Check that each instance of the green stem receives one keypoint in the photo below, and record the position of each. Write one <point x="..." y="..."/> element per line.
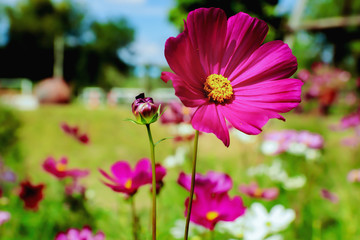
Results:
<point x="196" y="140"/>
<point x="152" y="150"/>
<point x="134" y="217"/>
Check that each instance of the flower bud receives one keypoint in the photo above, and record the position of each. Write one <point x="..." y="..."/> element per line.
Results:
<point x="145" y="110"/>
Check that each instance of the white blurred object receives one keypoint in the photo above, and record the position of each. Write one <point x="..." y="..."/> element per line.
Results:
<point x="176" y="160"/>
<point x="178" y="230"/>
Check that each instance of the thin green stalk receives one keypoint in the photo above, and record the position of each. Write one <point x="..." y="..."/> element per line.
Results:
<point x="152" y="150"/>
<point x="135" y="218"/>
<point x="196" y="140"/>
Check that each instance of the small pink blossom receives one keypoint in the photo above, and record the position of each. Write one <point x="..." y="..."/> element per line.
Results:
<point x="354" y="175"/>
<point x="4" y="217"/>
<point x="223" y="71"/>
<point x="332" y="197"/>
<point x="74" y="132"/>
<point x="212" y="182"/>
<point x="175" y="112"/>
<point x="60" y="169"/>
<point x="128" y="181"/>
<point x="80" y="234"/>
<point x="209" y="209"/>
<point x="253" y="190"/>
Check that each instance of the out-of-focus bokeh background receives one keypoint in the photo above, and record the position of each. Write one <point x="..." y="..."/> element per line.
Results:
<point x="80" y="63"/>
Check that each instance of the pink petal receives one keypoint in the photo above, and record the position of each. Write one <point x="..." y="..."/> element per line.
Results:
<point x="244" y="35"/>
<point x="121" y="171"/>
<point x="271" y="193"/>
<point x="280" y="95"/>
<point x="208" y="119"/>
<point x="143" y="165"/>
<point x="271" y="61"/>
<point x="188" y="95"/>
<point x="207" y="30"/>
<point x="245" y="118"/>
<point x="107" y="175"/>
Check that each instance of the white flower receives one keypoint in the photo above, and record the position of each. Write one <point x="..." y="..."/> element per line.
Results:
<point x="235" y="228"/>
<point x="297" y="148"/>
<point x="4" y="217"/>
<point x="260" y="223"/>
<point x="244" y="137"/>
<point x="312" y="154"/>
<point x="178" y="230"/>
<point x="176" y="160"/>
<point x="294" y="182"/>
<point x="269" y="147"/>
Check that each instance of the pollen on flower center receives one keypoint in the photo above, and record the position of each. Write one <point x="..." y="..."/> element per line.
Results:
<point x="211" y="215"/>
<point x="60" y="167"/>
<point x="218" y="88"/>
<point x="128" y="184"/>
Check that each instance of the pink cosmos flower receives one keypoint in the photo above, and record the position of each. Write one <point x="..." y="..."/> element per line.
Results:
<point x="354" y="175"/>
<point x="74" y="132"/>
<point x="222" y="70"/>
<point x="351" y="120"/>
<point x="83" y="234"/>
<point x="176" y="113"/>
<point x="59" y="169"/>
<point x="128" y="181"/>
<point x="253" y="190"/>
<point x="212" y="182"/>
<point x="208" y="210"/>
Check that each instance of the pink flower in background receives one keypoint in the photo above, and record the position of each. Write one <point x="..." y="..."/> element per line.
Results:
<point x="31" y="194"/>
<point x="208" y="210"/>
<point x="212" y="182"/>
<point x="354" y="175"/>
<point x="332" y="197"/>
<point x="83" y="234"/>
<point x="60" y="168"/>
<point x="351" y="120"/>
<point x="176" y="113"/>
<point x="128" y="181"/>
<point x="222" y="70"/>
<point x="253" y="190"/>
<point x="74" y="132"/>
<point x="4" y="217"/>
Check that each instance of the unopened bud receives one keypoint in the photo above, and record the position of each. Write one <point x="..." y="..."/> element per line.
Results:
<point x="145" y="110"/>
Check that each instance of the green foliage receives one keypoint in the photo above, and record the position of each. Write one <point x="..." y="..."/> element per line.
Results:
<point x="9" y="126"/>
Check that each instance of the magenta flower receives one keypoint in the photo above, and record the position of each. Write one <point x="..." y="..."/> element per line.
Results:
<point x="83" y="234"/>
<point x="332" y="197"/>
<point x="60" y="170"/>
<point x="160" y="174"/>
<point x="74" y="132"/>
<point x="221" y="68"/>
<point x="354" y="175"/>
<point x="128" y="181"/>
<point x="209" y="209"/>
<point x="253" y="190"/>
<point x="212" y="182"/>
<point x="351" y="120"/>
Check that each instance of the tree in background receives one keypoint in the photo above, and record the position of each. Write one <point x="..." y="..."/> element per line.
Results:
<point x="85" y="45"/>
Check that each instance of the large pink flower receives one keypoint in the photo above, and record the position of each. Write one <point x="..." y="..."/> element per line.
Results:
<point x="221" y="68"/>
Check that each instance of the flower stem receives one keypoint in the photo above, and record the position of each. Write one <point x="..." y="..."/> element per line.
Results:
<point x="152" y="150"/>
<point x="196" y="140"/>
<point x="135" y="218"/>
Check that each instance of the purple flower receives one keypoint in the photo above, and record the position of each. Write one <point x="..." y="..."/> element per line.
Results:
<point x="351" y="120"/>
<point x="253" y="190"/>
<point x="212" y="182"/>
<point x="332" y="197"/>
<point x="83" y="234"/>
<point x="6" y="175"/>
<point x="354" y="175"/>
<point x="209" y="209"/>
<point x="60" y="170"/>
<point x="4" y="217"/>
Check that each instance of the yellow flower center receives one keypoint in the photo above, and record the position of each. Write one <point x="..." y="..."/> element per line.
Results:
<point x="212" y="215"/>
<point x="128" y="184"/>
<point x="60" y="167"/>
<point x="258" y="192"/>
<point x="218" y="88"/>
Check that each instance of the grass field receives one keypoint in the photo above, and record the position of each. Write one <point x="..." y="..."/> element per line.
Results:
<point x="112" y="139"/>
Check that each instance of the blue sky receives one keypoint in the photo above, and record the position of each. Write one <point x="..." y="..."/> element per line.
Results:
<point x="147" y="17"/>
